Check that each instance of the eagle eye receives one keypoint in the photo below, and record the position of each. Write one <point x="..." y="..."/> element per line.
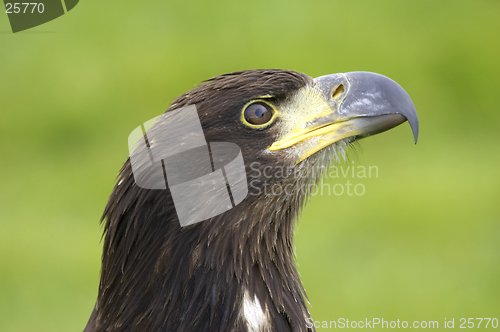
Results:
<point x="258" y="114"/>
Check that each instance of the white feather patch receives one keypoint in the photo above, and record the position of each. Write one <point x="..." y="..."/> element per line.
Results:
<point x="257" y="319"/>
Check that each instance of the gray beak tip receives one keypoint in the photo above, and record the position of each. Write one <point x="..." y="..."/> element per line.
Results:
<point x="373" y="94"/>
<point x="413" y="121"/>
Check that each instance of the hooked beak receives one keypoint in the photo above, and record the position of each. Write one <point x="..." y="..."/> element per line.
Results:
<point x="361" y="103"/>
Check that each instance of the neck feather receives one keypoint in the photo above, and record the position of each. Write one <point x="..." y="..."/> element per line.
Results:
<point x="210" y="276"/>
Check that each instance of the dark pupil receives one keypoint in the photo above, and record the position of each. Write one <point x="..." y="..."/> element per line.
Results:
<point x="258" y="114"/>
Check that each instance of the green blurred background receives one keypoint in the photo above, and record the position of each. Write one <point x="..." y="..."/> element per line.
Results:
<point x="422" y="243"/>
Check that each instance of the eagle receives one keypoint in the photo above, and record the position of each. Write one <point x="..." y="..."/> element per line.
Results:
<point x="235" y="271"/>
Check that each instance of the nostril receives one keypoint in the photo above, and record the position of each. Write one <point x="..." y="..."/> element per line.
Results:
<point x="338" y="91"/>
